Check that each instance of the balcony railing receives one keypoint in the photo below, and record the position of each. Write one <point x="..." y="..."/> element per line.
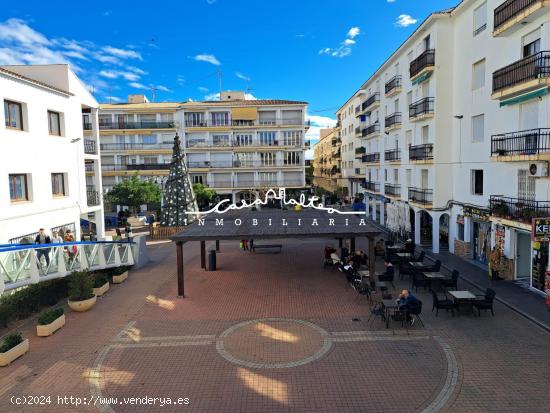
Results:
<point x="136" y="167"/>
<point x="527" y="142"/>
<point x="90" y="146"/>
<point x="246" y="123"/>
<point x="426" y="59"/>
<point x="517" y="209"/>
<point x="255" y="184"/>
<point x="392" y="155"/>
<point x="421" y="195"/>
<point x="392" y="189"/>
<point x="89" y="167"/>
<point x="133" y="146"/>
<point x="136" y="125"/>
<point x="392" y="120"/>
<point x="369" y="130"/>
<point x="92" y="197"/>
<point x="361" y="150"/>
<point x="421" y="107"/>
<point x="392" y="84"/>
<point x="86" y="126"/>
<point x="371" y="157"/>
<point x="510" y="9"/>
<point x="239" y="164"/>
<point x="371" y="186"/>
<point x="371" y="100"/>
<point x="529" y="68"/>
<point x="422" y="152"/>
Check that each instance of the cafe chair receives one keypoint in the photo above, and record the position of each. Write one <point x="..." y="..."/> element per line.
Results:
<point x="443" y="304"/>
<point x="485" y="302"/>
<point x="453" y="282"/>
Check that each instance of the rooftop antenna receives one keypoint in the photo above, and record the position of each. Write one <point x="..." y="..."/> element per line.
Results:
<point x="220" y="81"/>
<point x="153" y="89"/>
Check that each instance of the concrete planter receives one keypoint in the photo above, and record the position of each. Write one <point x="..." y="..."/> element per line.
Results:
<point x="81" y="306"/>
<point x="13" y="353"/>
<point x="49" y="329"/>
<point x="99" y="291"/>
<point x="117" y="279"/>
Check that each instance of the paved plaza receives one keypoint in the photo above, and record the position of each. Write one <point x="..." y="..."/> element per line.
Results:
<point x="276" y="332"/>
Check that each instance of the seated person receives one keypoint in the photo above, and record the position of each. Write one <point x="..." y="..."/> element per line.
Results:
<point x="379" y="248"/>
<point x="409" y="246"/>
<point x="389" y="273"/>
<point x="364" y="258"/>
<point x="406" y="300"/>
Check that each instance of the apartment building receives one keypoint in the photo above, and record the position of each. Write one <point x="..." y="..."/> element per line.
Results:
<point x="455" y="124"/>
<point x="45" y="153"/>
<point x="327" y="159"/>
<point x="237" y="146"/>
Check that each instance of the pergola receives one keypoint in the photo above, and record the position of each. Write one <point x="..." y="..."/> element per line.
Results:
<point x="273" y="224"/>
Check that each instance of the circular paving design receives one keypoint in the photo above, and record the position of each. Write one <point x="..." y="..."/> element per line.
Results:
<point x="273" y="343"/>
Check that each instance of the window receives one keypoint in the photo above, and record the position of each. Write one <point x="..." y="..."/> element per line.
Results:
<point x="243" y="140"/>
<point x="220" y="118"/>
<point x="478" y="75"/>
<point x="13" y="115"/>
<point x="267" y="159"/>
<point x="58" y="184"/>
<point x="427" y="43"/>
<point x="531" y="48"/>
<point x="480" y="19"/>
<point x="478" y="128"/>
<point x="221" y="140"/>
<point x="194" y="119"/>
<point x="292" y="158"/>
<point x="477" y="181"/>
<point x="18" y="187"/>
<point x="149" y="139"/>
<point x="267" y="138"/>
<point x="292" y="138"/>
<point x="54" y="123"/>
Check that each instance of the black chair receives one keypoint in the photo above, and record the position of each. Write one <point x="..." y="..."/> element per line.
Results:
<point x="388" y="276"/>
<point x="436" y="267"/>
<point x="453" y="282"/>
<point x="405" y="269"/>
<point x="377" y="310"/>
<point x="485" y="302"/>
<point x="419" y="280"/>
<point x="413" y="309"/>
<point x="442" y="304"/>
<point x="419" y="258"/>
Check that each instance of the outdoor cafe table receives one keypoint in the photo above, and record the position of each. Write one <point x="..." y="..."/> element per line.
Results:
<point x="363" y="273"/>
<point x="463" y="297"/>
<point x="390" y="308"/>
<point x="404" y="254"/>
<point x="436" y="277"/>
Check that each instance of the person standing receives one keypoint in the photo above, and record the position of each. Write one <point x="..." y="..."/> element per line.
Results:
<point x="57" y="239"/>
<point x="494" y="263"/>
<point x="71" y="249"/>
<point x="42" y="238"/>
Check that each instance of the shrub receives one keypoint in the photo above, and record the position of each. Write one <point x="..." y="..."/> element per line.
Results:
<point x="81" y="286"/>
<point x="118" y="270"/>
<point x="100" y="279"/>
<point x="11" y="341"/>
<point x="50" y="316"/>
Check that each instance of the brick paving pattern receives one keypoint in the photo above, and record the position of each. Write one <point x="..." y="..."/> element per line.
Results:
<point x="292" y="320"/>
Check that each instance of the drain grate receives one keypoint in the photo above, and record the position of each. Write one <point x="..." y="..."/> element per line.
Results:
<point x="355" y="319"/>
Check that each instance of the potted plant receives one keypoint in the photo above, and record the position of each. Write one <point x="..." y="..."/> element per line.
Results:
<point x="81" y="295"/>
<point x="101" y="284"/>
<point x="14" y="346"/>
<point x="50" y="322"/>
<point x="119" y="274"/>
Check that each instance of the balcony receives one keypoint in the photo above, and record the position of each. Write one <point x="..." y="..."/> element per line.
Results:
<point x="135" y="146"/>
<point x="371" y="158"/>
<point x="337" y="154"/>
<point x="135" y="167"/>
<point x="256" y="184"/>
<point x="525" y="145"/>
<point x="392" y="189"/>
<point x="424" y="152"/>
<point x="370" y="103"/>
<point x="512" y="14"/>
<point x="358" y="131"/>
<point x="393" y="86"/>
<point x="90" y="147"/>
<point x="517" y="209"/>
<point x="136" y="125"/>
<point x="92" y="198"/>
<point x="525" y="75"/>
<point x="86" y="126"/>
<point x="421" y="109"/>
<point x="393" y="121"/>
<point x="392" y="155"/>
<point x="370" y="186"/>
<point x="89" y="166"/>
<point x="421" y="196"/>
<point x="422" y="64"/>
<point x="370" y="130"/>
<point x="359" y="152"/>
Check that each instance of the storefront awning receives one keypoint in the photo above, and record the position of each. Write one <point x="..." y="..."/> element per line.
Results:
<point x="248" y="113"/>
<point x="526" y="96"/>
<point x="422" y="78"/>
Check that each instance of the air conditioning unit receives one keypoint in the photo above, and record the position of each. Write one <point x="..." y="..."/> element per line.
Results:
<point x="538" y="169"/>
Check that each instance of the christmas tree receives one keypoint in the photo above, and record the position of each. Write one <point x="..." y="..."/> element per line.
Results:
<point x="178" y="198"/>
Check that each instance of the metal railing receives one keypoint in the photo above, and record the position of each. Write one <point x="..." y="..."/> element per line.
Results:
<point x="424" y="60"/>
<point x="246" y="123"/>
<point x="136" y="125"/>
<point x="369" y="130"/>
<point x="392" y="84"/>
<point x="239" y="164"/>
<point x="92" y="198"/>
<point x="370" y="186"/>
<point x="90" y="146"/>
<point x="393" y="119"/>
<point x="517" y="209"/>
<point x="510" y="9"/>
<point x="371" y="100"/>
<point x="392" y="189"/>
<point x="421" y="195"/>
<point x="134" y="146"/>
<point x="392" y="155"/>
<point x="361" y="150"/>
<point x="529" y="68"/>
<point x="245" y="144"/>
<point x="421" y="152"/>
<point x="371" y="157"/>
<point x="257" y="184"/>
<point x="421" y="107"/>
<point x="89" y="166"/>
<point x="23" y="264"/>
<point x="527" y="142"/>
<point x="136" y="167"/>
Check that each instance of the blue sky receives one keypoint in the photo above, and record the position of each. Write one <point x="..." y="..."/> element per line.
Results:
<point x="317" y="51"/>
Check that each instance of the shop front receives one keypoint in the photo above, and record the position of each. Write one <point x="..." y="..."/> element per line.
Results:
<point x="480" y="242"/>
<point x="540" y="234"/>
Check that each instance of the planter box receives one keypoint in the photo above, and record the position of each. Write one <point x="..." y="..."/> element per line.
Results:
<point x="101" y="290"/>
<point x="117" y="279"/>
<point x="13" y="353"/>
<point x="82" y="306"/>
<point x="49" y="329"/>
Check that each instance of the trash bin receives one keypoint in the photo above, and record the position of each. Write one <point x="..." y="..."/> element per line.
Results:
<point x="212" y="260"/>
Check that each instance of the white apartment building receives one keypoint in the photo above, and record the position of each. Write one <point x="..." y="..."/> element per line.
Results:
<point x="455" y="123"/>
<point x="44" y="154"/>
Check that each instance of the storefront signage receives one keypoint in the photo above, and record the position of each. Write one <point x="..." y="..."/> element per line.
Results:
<point x="540" y="229"/>
<point x="476" y="213"/>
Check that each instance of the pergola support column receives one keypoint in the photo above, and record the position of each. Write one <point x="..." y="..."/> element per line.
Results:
<point x="372" y="258"/>
<point x="217" y="245"/>
<point x="203" y="254"/>
<point x="352" y="245"/>
<point x="179" y="255"/>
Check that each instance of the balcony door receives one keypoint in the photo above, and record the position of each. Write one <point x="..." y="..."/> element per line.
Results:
<point x="529" y="115"/>
<point x="424" y="178"/>
<point x="526" y="185"/>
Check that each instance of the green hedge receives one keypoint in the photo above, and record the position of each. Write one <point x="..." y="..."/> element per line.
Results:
<point x="50" y="316"/>
<point x="11" y="341"/>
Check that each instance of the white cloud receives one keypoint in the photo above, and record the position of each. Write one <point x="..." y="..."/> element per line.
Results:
<point x="180" y="80"/>
<point x="107" y="13"/>
<point x="317" y="123"/>
<point x="210" y="1"/>
<point x="391" y="1"/>
<point x="345" y="48"/>
<point x="163" y="88"/>
<point x="349" y="42"/>
<point x="122" y="53"/>
<point x="212" y="96"/>
<point x="136" y="70"/>
<point x="243" y="77"/>
<point x="404" y="20"/>
<point x="202" y="89"/>
<point x="113" y="99"/>
<point x="115" y="74"/>
<point x="209" y="58"/>
<point x="16" y="30"/>
<point x="353" y="32"/>
<point x="137" y="85"/>
<point x="108" y="74"/>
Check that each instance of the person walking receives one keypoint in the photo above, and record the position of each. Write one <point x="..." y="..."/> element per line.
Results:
<point x="42" y="238"/>
<point x="56" y="238"/>
<point x="71" y="249"/>
<point x="494" y="263"/>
